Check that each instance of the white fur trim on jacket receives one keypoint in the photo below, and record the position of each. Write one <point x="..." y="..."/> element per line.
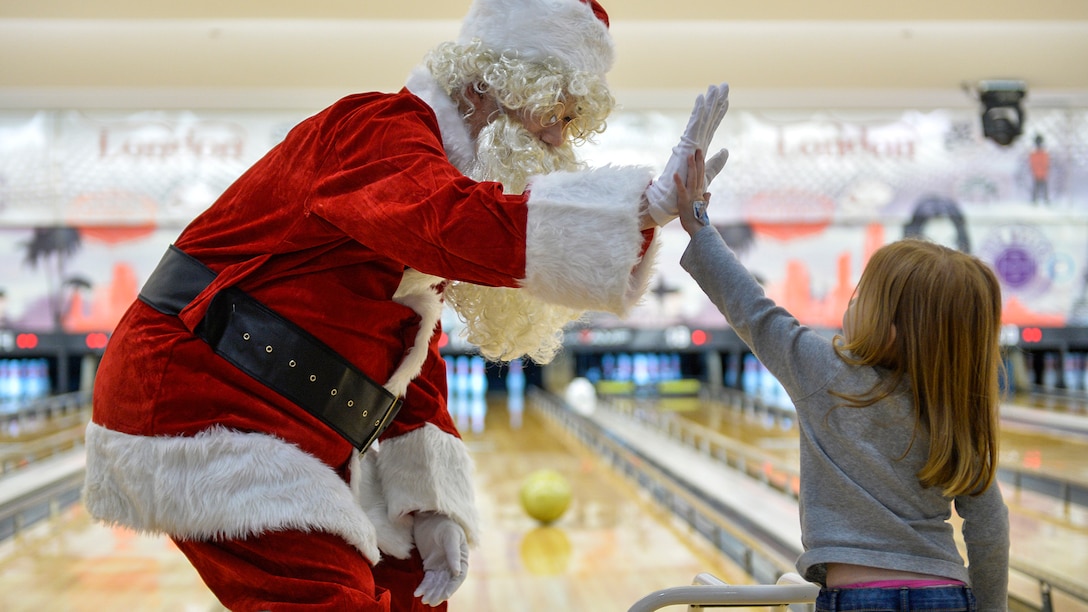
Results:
<point x="218" y="484"/>
<point x="456" y="139"/>
<point x="419" y="292"/>
<point x="394" y="537"/>
<point x="583" y="239"/>
<point x="424" y="470"/>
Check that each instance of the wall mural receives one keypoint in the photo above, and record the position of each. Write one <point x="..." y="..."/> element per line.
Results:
<point x="89" y="201"/>
<point x="806" y="198"/>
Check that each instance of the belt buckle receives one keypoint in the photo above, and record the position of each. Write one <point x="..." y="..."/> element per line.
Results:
<point x="382" y="423"/>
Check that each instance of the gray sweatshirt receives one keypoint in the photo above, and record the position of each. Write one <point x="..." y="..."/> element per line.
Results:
<point x="861" y="502"/>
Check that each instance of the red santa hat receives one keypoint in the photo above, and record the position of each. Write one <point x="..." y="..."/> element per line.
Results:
<point x="573" y="31"/>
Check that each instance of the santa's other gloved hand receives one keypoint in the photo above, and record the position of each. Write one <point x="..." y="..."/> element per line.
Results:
<point x="444" y="548"/>
<point x="706" y="115"/>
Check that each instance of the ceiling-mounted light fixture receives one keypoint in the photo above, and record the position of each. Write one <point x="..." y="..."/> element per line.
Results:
<point x="1002" y="116"/>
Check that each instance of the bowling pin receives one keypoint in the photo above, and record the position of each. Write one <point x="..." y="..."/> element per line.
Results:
<point x="515" y="392"/>
<point x="640" y="370"/>
<point x="729" y="370"/>
<point x="1050" y="370"/>
<point x="623" y="367"/>
<point x="6" y="401"/>
<point x="608" y="366"/>
<point x="477" y="377"/>
<point x="515" y="378"/>
<point x="750" y="377"/>
<point x="1072" y="370"/>
<point x="457" y="367"/>
<point x="462" y="375"/>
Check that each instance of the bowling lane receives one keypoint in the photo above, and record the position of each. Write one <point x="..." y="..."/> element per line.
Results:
<point x="73" y="564"/>
<point x="756" y="429"/>
<point x="609" y="549"/>
<point x="1041" y="449"/>
<point x="1045" y="451"/>
<point x="1072" y="402"/>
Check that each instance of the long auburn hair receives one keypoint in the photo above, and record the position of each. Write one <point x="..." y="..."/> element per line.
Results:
<point x="932" y="315"/>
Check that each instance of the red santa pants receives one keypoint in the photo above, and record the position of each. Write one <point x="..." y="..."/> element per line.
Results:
<point x="294" y="570"/>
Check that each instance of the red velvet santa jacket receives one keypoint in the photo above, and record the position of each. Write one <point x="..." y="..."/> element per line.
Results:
<point x="348" y="228"/>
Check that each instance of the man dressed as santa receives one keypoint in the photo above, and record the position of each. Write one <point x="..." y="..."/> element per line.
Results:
<point x="296" y="322"/>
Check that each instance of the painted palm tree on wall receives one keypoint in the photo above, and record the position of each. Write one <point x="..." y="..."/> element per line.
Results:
<point x="51" y="248"/>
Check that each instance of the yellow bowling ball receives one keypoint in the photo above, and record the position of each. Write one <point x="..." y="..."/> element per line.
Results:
<point x="545" y="495"/>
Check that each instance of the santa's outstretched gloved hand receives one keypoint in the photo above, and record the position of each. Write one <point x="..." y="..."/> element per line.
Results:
<point x="444" y="548"/>
<point x="706" y="115"/>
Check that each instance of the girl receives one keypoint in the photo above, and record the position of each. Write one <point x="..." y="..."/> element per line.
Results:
<point x="898" y="419"/>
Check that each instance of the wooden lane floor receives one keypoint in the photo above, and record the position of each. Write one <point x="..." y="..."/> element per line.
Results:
<point x="612" y="547"/>
<point x="1070" y="402"/>
<point x="71" y="564"/>
<point x="1041" y="449"/>
<point x="1035" y="448"/>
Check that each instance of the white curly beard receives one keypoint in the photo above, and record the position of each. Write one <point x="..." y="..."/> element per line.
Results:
<point x="508" y="153"/>
<point x="509" y="323"/>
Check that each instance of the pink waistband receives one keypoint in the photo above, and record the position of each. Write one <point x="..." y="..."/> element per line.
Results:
<point x="893" y="584"/>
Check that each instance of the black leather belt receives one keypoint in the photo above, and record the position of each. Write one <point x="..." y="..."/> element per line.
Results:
<point x="275" y="351"/>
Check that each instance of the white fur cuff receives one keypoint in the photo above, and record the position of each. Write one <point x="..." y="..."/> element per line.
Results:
<point x="218" y="484"/>
<point x="583" y="238"/>
<point x="428" y="470"/>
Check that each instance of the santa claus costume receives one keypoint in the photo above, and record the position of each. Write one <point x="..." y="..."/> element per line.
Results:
<point x="347" y="232"/>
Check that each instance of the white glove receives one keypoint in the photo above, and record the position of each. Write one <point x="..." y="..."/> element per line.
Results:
<point x="706" y="115"/>
<point x="444" y="548"/>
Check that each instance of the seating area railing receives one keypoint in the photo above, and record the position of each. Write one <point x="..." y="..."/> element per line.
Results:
<point x="45" y="408"/>
<point x="40" y="492"/>
<point x="708" y="590"/>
